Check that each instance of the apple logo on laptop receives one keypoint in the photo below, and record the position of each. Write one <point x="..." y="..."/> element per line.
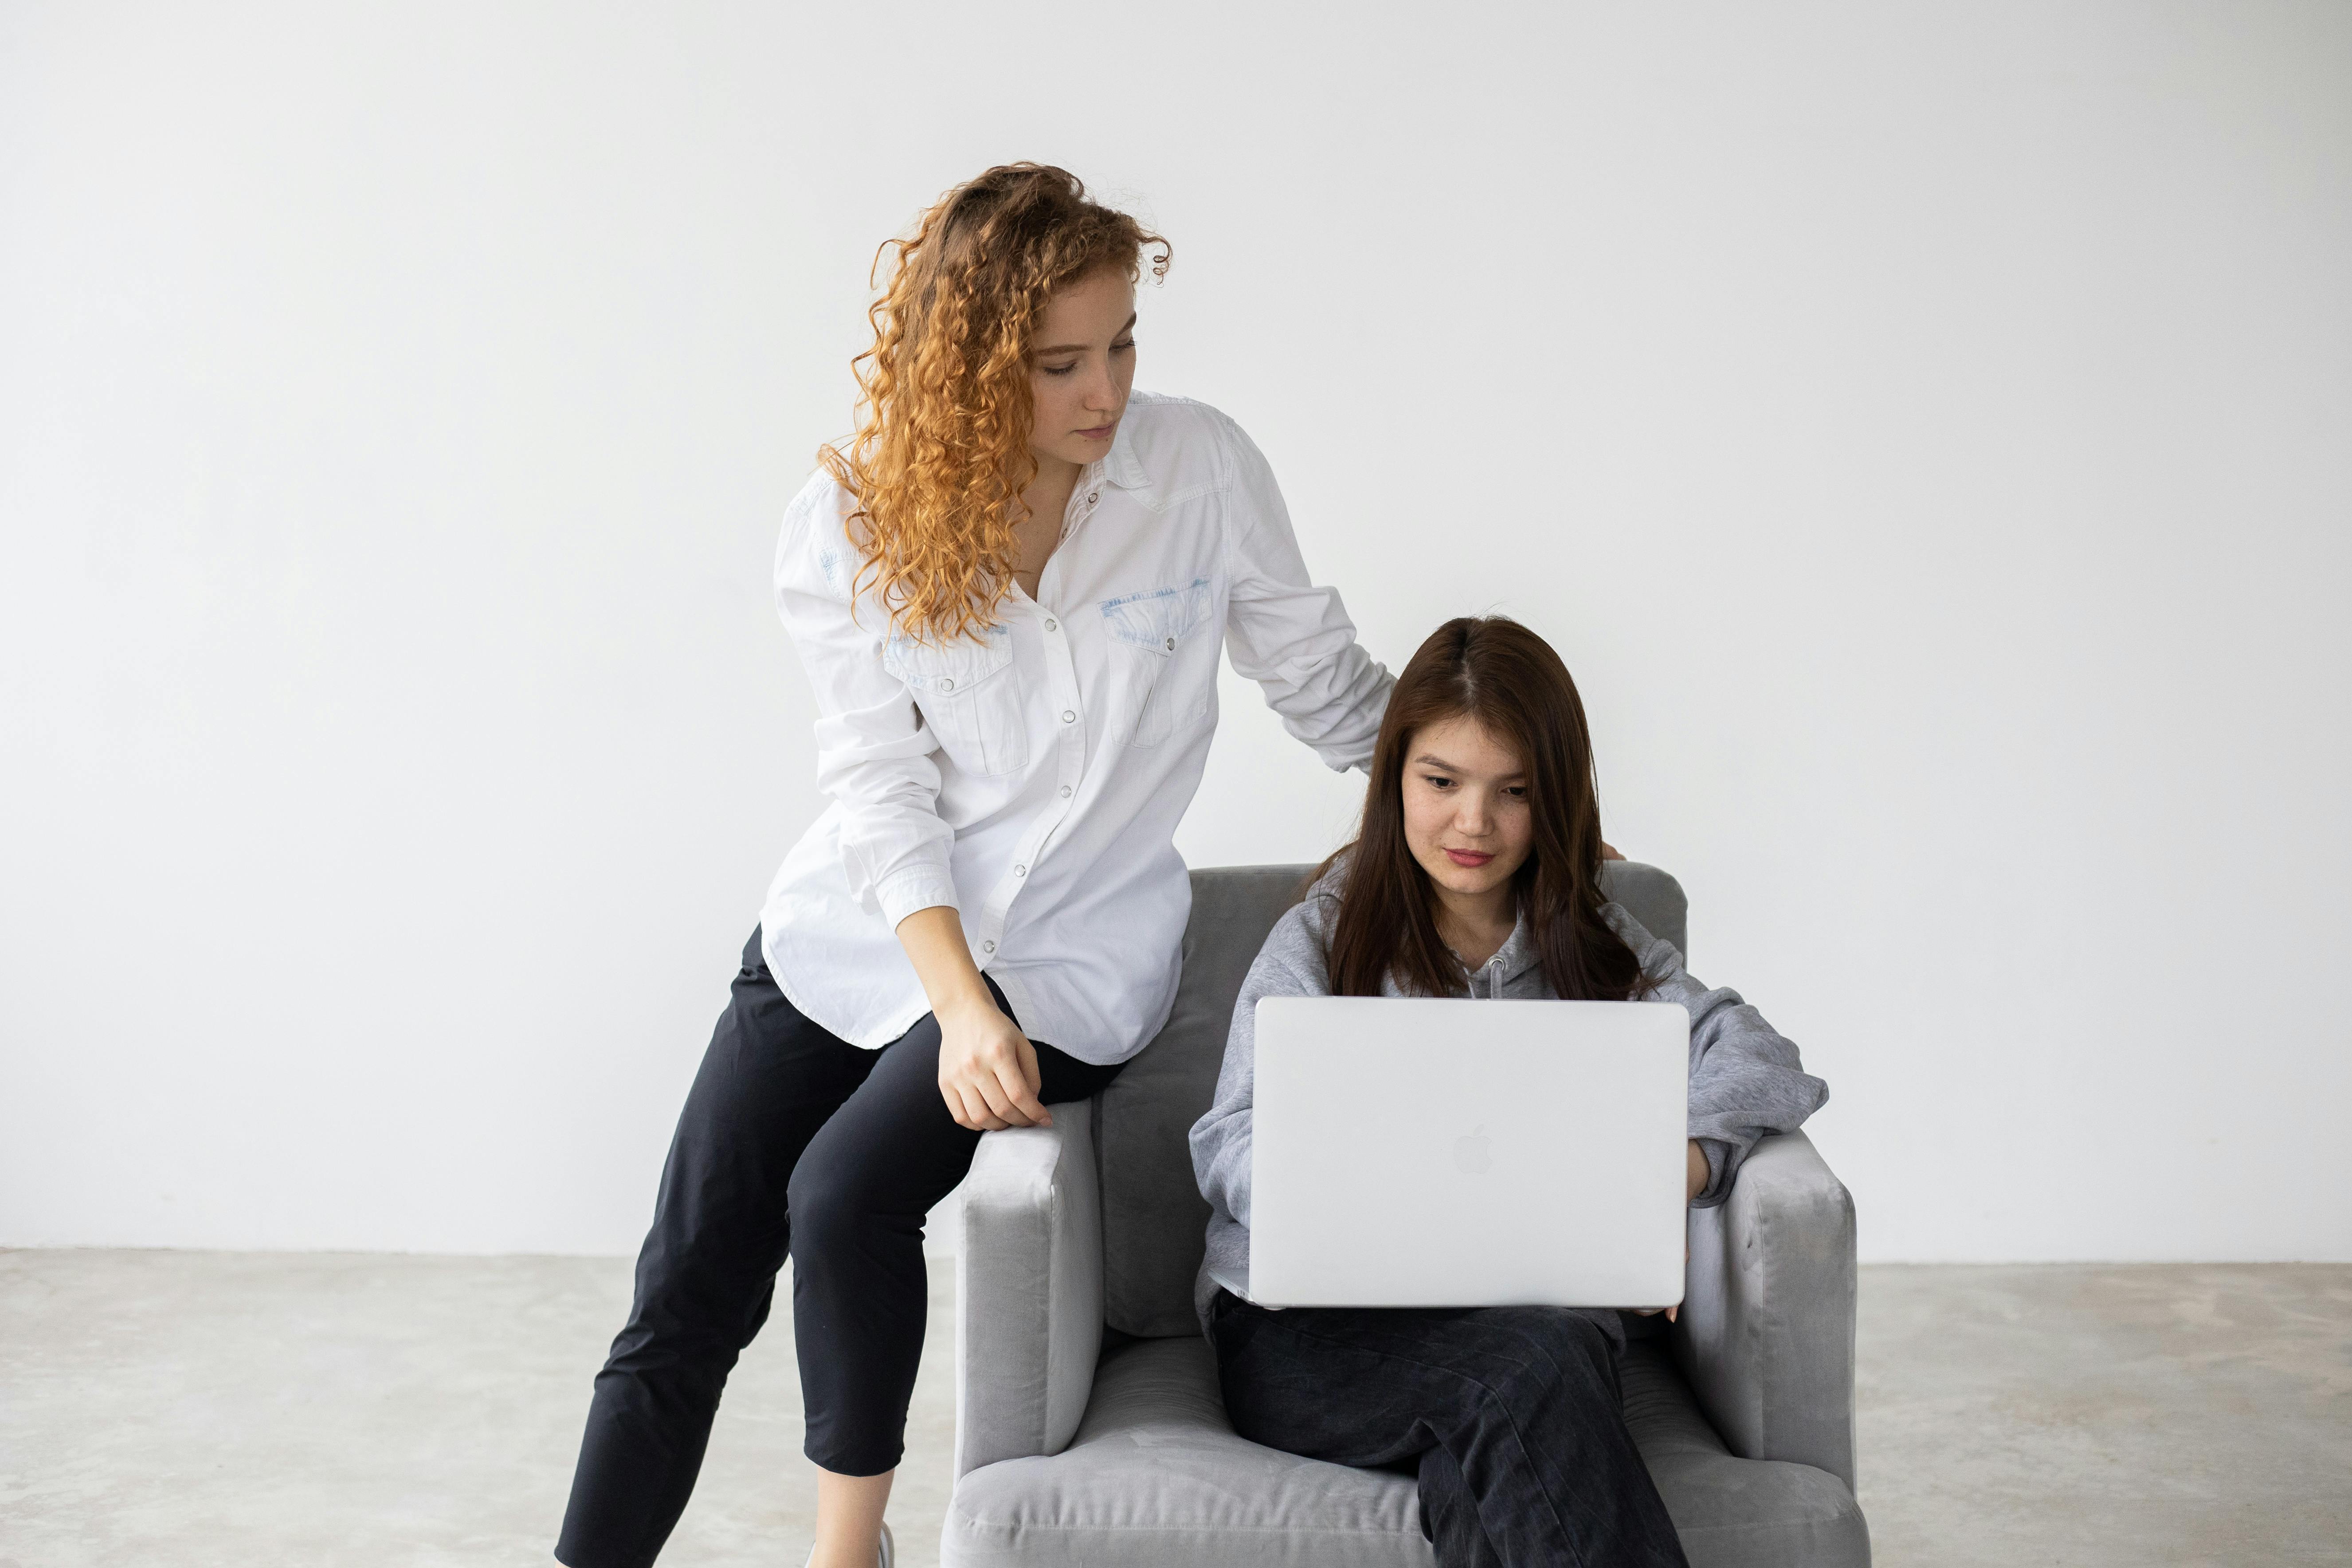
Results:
<point x="1473" y="1156"/>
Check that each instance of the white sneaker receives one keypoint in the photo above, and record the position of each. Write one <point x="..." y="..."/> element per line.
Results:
<point x="887" y="1555"/>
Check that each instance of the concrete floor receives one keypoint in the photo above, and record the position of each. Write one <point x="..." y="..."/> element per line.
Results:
<point x="2066" y="1414"/>
<point x="190" y="1409"/>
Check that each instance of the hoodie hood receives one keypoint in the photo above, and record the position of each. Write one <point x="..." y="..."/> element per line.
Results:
<point x="1513" y="963"/>
<point x="1515" y="970"/>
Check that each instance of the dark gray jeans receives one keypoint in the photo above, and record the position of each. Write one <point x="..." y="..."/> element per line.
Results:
<point x="1511" y="1416"/>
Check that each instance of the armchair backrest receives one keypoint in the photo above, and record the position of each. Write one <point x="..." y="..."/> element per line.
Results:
<point x="1153" y="1217"/>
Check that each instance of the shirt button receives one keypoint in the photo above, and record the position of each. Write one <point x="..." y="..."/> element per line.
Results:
<point x="1020" y="870"/>
<point x="1092" y="496"/>
<point x="950" y="685"/>
<point x="1065" y="792"/>
<point x="1049" y="623"/>
<point x="987" y="947"/>
<point x="1069" y="716"/>
<point x="1171" y="645"/>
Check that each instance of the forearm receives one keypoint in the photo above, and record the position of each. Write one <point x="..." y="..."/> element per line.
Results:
<point x="988" y="1068"/>
<point x="935" y="946"/>
<point x="1220" y="1157"/>
<point x="1327" y="691"/>
<point x="1696" y="1173"/>
<point x="1290" y="636"/>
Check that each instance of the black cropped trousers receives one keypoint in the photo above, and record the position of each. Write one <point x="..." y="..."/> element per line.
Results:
<point x="793" y="1142"/>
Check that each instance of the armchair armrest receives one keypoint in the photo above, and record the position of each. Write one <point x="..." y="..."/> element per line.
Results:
<point x="1029" y="1289"/>
<point x="1767" y="1332"/>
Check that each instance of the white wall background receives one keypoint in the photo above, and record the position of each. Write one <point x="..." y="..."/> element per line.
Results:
<point x="1927" y="431"/>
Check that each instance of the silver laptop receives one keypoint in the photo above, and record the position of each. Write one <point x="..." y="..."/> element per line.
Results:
<point x="1411" y="1152"/>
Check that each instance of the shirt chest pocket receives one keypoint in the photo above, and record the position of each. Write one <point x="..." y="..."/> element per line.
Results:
<point x="1163" y="661"/>
<point x="970" y="695"/>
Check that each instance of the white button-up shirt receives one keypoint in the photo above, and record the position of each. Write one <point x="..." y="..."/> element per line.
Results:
<point x="1031" y="776"/>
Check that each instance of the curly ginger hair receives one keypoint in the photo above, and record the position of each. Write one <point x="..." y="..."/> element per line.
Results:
<point x="942" y="453"/>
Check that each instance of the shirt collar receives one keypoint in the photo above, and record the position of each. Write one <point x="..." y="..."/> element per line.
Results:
<point x="1121" y="465"/>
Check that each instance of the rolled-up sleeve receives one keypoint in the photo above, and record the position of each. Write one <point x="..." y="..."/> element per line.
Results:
<point x="1292" y="637"/>
<point x="874" y="756"/>
<point x="1747" y="1079"/>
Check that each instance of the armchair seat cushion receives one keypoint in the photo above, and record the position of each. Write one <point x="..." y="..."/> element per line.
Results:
<point x="1156" y="1475"/>
<point x="1729" y="1510"/>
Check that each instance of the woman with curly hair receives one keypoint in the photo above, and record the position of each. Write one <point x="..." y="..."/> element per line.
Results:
<point x="1009" y="592"/>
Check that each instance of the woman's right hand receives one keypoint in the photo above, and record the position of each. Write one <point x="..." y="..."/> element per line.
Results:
<point x="988" y="1070"/>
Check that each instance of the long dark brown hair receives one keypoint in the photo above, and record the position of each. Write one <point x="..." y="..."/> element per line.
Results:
<point x="1497" y="671"/>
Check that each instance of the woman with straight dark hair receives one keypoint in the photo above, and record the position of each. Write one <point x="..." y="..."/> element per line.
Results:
<point x="1010" y="592"/>
<point x="1477" y="874"/>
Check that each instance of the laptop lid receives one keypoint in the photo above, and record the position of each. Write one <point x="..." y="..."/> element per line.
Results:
<point x="1445" y="1153"/>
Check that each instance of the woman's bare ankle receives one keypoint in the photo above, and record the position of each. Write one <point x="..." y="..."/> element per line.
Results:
<point x="849" y="1519"/>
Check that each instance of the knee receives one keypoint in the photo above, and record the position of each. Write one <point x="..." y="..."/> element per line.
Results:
<point x="822" y="1208"/>
<point x="1575" y="1334"/>
<point x="1564" y="1332"/>
<point x="1564" y="1354"/>
<point x="832" y="1211"/>
<point x="691" y="1317"/>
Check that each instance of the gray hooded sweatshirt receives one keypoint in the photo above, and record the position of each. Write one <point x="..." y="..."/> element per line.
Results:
<point x="1745" y="1078"/>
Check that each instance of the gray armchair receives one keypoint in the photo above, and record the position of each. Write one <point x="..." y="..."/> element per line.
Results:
<point x="1089" y="1429"/>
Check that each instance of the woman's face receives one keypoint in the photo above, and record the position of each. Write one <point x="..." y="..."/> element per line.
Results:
<point x="1083" y="367"/>
<point x="1466" y="806"/>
